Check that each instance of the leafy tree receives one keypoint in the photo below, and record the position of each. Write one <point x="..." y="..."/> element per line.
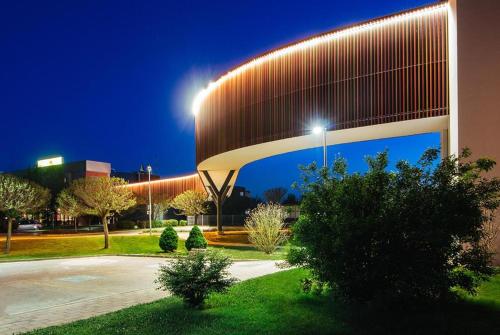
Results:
<point x="102" y="196"/>
<point x="70" y="205"/>
<point x="413" y="233"/>
<point x="169" y="239"/>
<point x="265" y="227"/>
<point x="194" y="277"/>
<point x="196" y="240"/>
<point x="192" y="203"/>
<point x="19" y="196"/>
<point x="275" y="195"/>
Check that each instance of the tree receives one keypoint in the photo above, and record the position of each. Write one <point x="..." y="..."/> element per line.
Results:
<point x="19" y="196"/>
<point x="191" y="203"/>
<point x="265" y="226"/>
<point x="102" y="196"/>
<point x="159" y="208"/>
<point x="275" y="195"/>
<point x="412" y="233"/>
<point x="70" y="205"/>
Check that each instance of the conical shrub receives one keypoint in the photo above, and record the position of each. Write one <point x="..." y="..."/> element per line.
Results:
<point x="169" y="239"/>
<point x="196" y="240"/>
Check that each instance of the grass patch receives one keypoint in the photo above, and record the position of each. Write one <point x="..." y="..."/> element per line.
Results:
<point x="274" y="304"/>
<point x="48" y="247"/>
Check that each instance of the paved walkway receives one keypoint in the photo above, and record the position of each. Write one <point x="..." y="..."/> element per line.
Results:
<point x="38" y="294"/>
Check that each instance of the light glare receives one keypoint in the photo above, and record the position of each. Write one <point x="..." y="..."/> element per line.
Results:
<point x="318" y="130"/>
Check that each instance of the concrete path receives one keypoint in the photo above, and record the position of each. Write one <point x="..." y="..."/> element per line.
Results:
<point x="37" y="294"/>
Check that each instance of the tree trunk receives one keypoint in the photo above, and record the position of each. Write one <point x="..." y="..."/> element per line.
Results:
<point x="195" y="219"/>
<point x="9" y="235"/>
<point x="219" y="217"/>
<point x="106" y="233"/>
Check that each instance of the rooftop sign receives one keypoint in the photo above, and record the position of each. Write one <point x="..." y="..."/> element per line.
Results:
<point x="50" y="162"/>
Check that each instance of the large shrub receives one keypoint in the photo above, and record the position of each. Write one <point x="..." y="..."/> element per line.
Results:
<point x="194" y="277"/>
<point x="196" y="240"/>
<point x="169" y="239"/>
<point x="183" y="223"/>
<point x="414" y="232"/>
<point x="265" y="226"/>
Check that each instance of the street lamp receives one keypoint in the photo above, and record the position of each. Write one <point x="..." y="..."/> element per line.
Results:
<point x="150" y="209"/>
<point x="322" y="130"/>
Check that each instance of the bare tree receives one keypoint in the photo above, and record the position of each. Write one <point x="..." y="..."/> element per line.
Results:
<point x="102" y="196"/>
<point x="275" y="195"/>
<point x="19" y="196"/>
<point x="191" y="203"/>
<point x="159" y="208"/>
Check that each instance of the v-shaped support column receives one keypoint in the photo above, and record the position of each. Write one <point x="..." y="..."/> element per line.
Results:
<point x="218" y="190"/>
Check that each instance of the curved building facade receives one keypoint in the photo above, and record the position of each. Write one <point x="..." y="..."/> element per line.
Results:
<point x="164" y="189"/>
<point x="430" y="69"/>
<point x="387" y="70"/>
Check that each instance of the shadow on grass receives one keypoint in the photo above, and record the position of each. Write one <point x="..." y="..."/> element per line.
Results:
<point x="460" y="317"/>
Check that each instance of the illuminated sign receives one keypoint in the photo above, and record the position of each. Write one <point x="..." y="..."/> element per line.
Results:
<point x="50" y="162"/>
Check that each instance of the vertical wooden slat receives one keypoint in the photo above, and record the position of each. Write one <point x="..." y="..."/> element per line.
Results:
<point x="393" y="72"/>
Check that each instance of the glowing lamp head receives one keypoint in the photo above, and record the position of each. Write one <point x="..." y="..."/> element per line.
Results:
<point x="318" y="130"/>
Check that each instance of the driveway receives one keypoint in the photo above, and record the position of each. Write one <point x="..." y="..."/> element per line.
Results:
<point x="37" y="294"/>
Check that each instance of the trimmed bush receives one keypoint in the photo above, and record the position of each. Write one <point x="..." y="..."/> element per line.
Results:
<point x="171" y="222"/>
<point x="196" y="240"/>
<point x="183" y="223"/>
<point x="194" y="277"/>
<point x="157" y="223"/>
<point x="126" y="224"/>
<point x="169" y="239"/>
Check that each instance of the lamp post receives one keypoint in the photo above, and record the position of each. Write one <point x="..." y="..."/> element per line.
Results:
<point x="322" y="130"/>
<point x="150" y="208"/>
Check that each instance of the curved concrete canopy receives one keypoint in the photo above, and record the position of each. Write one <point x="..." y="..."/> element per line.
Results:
<point x="383" y="78"/>
<point x="236" y="159"/>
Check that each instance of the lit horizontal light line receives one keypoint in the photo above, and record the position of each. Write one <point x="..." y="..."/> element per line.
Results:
<point x="201" y="96"/>
<point x="158" y="181"/>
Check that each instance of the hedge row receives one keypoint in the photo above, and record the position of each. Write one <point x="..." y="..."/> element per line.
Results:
<point x="129" y="224"/>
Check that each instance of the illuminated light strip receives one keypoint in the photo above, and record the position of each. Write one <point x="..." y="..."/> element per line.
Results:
<point x="161" y="180"/>
<point x="201" y="96"/>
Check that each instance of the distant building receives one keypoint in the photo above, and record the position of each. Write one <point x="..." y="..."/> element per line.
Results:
<point x="54" y="174"/>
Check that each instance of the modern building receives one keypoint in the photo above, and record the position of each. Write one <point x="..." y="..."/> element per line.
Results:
<point x="135" y="177"/>
<point x="429" y="69"/>
<point x="167" y="188"/>
<point x="55" y="174"/>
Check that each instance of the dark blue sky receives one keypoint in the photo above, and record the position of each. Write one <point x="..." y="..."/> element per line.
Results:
<point x="113" y="80"/>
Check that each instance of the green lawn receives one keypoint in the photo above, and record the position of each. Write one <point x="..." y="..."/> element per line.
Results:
<point x="274" y="304"/>
<point x="40" y="247"/>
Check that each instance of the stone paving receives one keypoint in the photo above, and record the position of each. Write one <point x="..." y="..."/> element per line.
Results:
<point x="38" y="294"/>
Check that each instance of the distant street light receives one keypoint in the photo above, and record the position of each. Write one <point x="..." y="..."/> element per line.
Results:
<point x="322" y="130"/>
<point x="150" y="208"/>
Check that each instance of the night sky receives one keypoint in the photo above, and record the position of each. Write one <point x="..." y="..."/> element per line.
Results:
<point x="113" y="80"/>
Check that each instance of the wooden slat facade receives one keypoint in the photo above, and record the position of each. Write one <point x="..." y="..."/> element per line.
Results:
<point x="391" y="72"/>
<point x="164" y="189"/>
